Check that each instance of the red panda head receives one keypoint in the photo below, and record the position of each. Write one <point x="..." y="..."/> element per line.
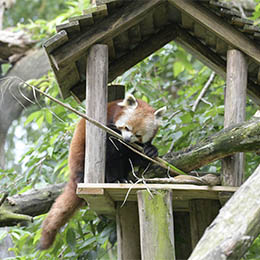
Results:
<point x="138" y="121"/>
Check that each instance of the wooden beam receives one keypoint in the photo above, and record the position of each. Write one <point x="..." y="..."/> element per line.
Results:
<point x="99" y="201"/>
<point x="96" y="108"/>
<point x="118" y="191"/>
<point x="111" y="26"/>
<point x="212" y="60"/>
<point x="218" y="26"/>
<point x="155" y="42"/>
<point x="128" y="233"/>
<point x="235" y="112"/>
<point x="156" y="225"/>
<point x="201" y="51"/>
<point x="55" y="41"/>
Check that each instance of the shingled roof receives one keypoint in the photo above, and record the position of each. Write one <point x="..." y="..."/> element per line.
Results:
<point x="135" y="29"/>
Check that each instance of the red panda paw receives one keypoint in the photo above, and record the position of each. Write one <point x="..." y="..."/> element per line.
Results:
<point x="150" y="150"/>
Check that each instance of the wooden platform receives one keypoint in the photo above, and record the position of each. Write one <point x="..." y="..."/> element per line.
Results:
<point x="102" y="197"/>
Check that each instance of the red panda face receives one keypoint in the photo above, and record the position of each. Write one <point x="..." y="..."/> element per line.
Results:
<point x="138" y="121"/>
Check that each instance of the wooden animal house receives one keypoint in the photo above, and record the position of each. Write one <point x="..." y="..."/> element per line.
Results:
<point x="91" y="50"/>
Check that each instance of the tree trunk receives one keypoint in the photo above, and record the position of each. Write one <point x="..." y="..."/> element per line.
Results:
<point x="235" y="228"/>
<point x="32" y="66"/>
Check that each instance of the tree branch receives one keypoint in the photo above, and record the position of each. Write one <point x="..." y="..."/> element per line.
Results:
<point x="235" y="228"/>
<point x="29" y="204"/>
<point x="203" y="91"/>
<point x="244" y="137"/>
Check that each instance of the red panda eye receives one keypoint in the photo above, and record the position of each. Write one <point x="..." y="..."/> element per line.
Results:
<point x="138" y="136"/>
<point x="127" y="129"/>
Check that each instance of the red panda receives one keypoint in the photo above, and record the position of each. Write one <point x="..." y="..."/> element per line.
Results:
<point x="138" y="123"/>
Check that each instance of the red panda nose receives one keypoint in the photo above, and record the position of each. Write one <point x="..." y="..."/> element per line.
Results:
<point x="127" y="139"/>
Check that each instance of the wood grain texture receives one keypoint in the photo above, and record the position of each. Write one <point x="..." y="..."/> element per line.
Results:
<point x="128" y="233"/>
<point x="112" y="26"/>
<point x="156" y="225"/>
<point x="235" y="112"/>
<point x="202" y="213"/>
<point x="217" y="25"/>
<point x="96" y="108"/>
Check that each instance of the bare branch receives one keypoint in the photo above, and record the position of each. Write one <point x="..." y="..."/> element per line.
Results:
<point x="203" y="91"/>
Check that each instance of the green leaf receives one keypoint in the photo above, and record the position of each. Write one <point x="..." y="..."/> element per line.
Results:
<point x="48" y="117"/>
<point x="33" y="116"/>
<point x="71" y="237"/>
<point x="178" y="68"/>
<point x="39" y="121"/>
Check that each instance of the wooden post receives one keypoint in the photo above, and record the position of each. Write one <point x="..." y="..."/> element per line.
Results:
<point x="96" y="108"/>
<point x="235" y="102"/>
<point x="202" y="213"/>
<point x="128" y="234"/>
<point x="156" y="224"/>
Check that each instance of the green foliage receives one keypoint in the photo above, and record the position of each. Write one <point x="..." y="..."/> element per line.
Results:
<point x="256" y="15"/>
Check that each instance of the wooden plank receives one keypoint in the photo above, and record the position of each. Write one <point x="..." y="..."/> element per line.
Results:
<point x="96" y="108"/>
<point x="211" y="39"/>
<point x="111" y="4"/>
<point x="121" y="43"/>
<point x="66" y="78"/>
<point x="55" y="41"/>
<point x="199" y="31"/>
<point x="134" y="36"/>
<point x="212" y="60"/>
<point x="99" y="12"/>
<point x="202" y="213"/>
<point x="238" y="21"/>
<point x="146" y="25"/>
<point x="217" y="25"/>
<point x="235" y="103"/>
<point x="128" y="233"/>
<point x="100" y="202"/>
<point x="112" y="26"/>
<point x="186" y="188"/>
<point x="111" y="49"/>
<point x="202" y="52"/>
<point x="114" y="92"/>
<point x="221" y="47"/>
<point x="143" y="50"/>
<point x="84" y="20"/>
<point x="160" y="16"/>
<point x="251" y="29"/>
<point x="187" y="23"/>
<point x="156" y="225"/>
<point x="70" y="27"/>
<point x="121" y="192"/>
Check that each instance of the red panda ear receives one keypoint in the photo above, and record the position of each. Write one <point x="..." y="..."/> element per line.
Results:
<point x="159" y="113"/>
<point x="129" y="101"/>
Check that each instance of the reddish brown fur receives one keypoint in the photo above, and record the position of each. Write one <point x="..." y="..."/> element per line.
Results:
<point x="68" y="202"/>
